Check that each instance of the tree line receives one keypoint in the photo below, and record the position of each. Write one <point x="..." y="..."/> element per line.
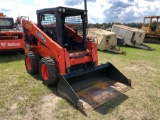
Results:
<point x="109" y="25"/>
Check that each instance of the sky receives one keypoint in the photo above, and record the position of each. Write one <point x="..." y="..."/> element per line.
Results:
<point x="99" y="11"/>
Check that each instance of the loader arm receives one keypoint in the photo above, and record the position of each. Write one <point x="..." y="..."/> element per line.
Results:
<point x="42" y="44"/>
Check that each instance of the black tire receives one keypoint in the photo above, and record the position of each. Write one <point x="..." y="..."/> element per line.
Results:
<point x="49" y="71"/>
<point x="31" y="62"/>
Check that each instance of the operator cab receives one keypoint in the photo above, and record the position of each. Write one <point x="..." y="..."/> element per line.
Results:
<point x="66" y="26"/>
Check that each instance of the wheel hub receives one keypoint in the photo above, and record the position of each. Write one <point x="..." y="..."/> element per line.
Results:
<point x="28" y="63"/>
<point x="44" y="71"/>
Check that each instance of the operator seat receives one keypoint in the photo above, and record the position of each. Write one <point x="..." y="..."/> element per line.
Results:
<point x="51" y="32"/>
<point x="65" y="43"/>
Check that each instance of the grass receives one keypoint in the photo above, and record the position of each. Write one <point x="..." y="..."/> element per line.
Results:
<point x="24" y="96"/>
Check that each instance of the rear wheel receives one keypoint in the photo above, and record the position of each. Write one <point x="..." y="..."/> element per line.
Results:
<point x="49" y="71"/>
<point x="31" y="62"/>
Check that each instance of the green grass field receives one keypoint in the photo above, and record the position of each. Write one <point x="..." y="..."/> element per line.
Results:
<point x="23" y="96"/>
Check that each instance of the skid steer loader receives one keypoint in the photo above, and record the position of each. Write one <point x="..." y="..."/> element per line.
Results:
<point x="130" y="36"/>
<point x="64" y="56"/>
<point x="106" y="40"/>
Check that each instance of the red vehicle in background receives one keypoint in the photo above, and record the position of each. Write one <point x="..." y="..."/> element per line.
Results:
<point x="10" y="38"/>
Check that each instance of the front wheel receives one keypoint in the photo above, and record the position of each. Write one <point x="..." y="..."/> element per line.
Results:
<point x="48" y="71"/>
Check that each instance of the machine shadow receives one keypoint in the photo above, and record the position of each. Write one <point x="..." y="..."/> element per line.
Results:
<point x="11" y="56"/>
<point x="109" y="52"/>
<point x="53" y="88"/>
<point x="111" y="104"/>
<point x="127" y="46"/>
<point x="37" y="77"/>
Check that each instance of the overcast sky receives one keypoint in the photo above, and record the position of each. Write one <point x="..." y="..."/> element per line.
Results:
<point x="99" y="11"/>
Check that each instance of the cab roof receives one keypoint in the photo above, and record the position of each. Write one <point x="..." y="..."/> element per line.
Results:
<point x="56" y="9"/>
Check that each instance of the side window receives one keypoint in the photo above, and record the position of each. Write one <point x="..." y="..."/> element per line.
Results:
<point x="75" y="22"/>
<point x="154" y="23"/>
<point x="48" y="20"/>
<point x="146" y="22"/>
<point x="159" y="23"/>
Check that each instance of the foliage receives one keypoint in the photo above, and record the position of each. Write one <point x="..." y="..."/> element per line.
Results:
<point x="109" y="25"/>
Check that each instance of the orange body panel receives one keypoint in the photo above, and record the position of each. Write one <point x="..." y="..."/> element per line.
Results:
<point x="10" y="40"/>
<point x="11" y="44"/>
<point x="1" y="14"/>
<point x="75" y="61"/>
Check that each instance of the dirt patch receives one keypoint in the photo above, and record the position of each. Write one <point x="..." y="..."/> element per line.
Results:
<point x="140" y="66"/>
<point x="151" y="68"/>
<point x="14" y="106"/>
<point x="45" y="111"/>
<point x="21" y="98"/>
<point x="133" y="67"/>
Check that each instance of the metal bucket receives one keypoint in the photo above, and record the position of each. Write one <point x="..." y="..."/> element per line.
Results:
<point x="88" y="89"/>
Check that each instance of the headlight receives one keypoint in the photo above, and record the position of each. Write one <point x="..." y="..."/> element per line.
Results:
<point x="60" y="9"/>
<point x="64" y="10"/>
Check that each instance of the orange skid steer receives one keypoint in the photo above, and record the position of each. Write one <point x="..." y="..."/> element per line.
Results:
<point x="64" y="56"/>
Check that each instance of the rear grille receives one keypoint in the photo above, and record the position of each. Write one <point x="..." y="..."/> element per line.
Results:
<point x="11" y="37"/>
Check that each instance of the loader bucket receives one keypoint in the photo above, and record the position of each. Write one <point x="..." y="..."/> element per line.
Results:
<point x="88" y="89"/>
